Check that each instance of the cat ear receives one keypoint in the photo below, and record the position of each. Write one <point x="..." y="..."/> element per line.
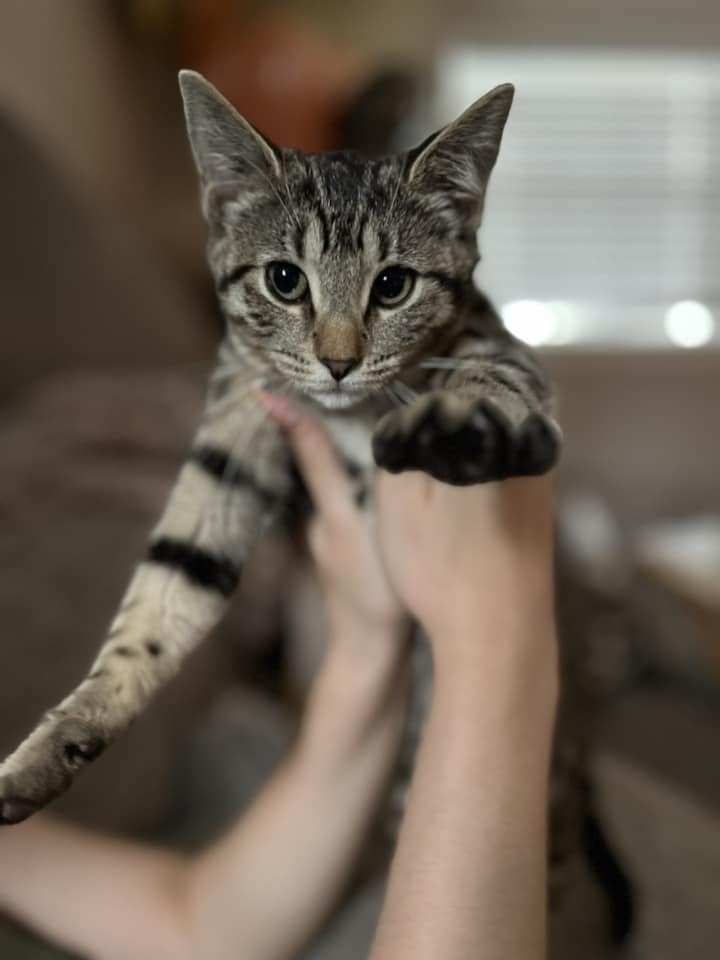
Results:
<point x="457" y="160"/>
<point x="230" y="154"/>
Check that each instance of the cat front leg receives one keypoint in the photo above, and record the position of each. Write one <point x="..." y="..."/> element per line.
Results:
<point x="234" y="483"/>
<point x="486" y="416"/>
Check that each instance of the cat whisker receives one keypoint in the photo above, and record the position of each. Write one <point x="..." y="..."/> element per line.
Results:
<point x="238" y="366"/>
<point x="400" y="399"/>
<point x="280" y="352"/>
<point x="406" y="393"/>
<point x="387" y="390"/>
<point x="223" y="404"/>
<point x="394" y="197"/>
<point x="264" y="176"/>
<point x="226" y="371"/>
<point x="444" y="363"/>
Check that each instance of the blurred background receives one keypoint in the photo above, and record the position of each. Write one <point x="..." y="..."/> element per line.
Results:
<point x="600" y="246"/>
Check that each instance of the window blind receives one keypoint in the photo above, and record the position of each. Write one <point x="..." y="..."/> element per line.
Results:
<point x="603" y="212"/>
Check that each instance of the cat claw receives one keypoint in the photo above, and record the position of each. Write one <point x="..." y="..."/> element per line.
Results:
<point x="464" y="441"/>
<point x="45" y="765"/>
<point x="22" y="794"/>
<point x="15" y="811"/>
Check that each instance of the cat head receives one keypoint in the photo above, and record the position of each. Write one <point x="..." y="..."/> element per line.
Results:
<point x="340" y="270"/>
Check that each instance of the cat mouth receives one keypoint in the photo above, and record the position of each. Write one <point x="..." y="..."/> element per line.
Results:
<point x="336" y="399"/>
<point x="339" y="397"/>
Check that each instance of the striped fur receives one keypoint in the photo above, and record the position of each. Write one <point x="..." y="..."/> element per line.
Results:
<point x="436" y="383"/>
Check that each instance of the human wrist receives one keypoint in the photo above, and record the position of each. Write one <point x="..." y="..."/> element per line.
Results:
<point x="378" y="639"/>
<point x="363" y="655"/>
<point x="511" y="599"/>
<point x="352" y="694"/>
<point x="510" y="653"/>
<point x="507" y="700"/>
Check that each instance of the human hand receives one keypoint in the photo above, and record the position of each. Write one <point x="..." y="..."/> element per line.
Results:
<point x="468" y="560"/>
<point x="474" y="564"/>
<point x="358" y="595"/>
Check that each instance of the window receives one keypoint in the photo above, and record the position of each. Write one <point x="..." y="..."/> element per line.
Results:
<point x="602" y="225"/>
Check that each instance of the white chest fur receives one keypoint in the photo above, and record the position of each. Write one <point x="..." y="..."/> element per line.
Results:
<point x="351" y="435"/>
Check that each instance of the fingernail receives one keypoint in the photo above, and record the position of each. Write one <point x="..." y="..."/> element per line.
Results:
<point x="279" y="408"/>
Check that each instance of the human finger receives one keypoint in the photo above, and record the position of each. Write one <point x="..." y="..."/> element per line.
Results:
<point x="320" y="467"/>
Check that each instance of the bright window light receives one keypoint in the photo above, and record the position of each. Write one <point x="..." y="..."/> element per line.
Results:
<point x="530" y="320"/>
<point x="564" y="218"/>
<point x="689" y="324"/>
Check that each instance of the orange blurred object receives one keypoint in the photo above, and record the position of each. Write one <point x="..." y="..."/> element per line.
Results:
<point x="292" y="84"/>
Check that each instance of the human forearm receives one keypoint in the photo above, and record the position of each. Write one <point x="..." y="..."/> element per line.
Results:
<point x="291" y="854"/>
<point x="265" y="888"/>
<point x="114" y="900"/>
<point x="95" y="895"/>
<point x="468" y="879"/>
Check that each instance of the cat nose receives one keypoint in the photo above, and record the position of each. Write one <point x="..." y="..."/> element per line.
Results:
<point x="340" y="368"/>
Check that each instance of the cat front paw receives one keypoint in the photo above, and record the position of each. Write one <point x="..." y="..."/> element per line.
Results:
<point x="464" y="440"/>
<point x="46" y="764"/>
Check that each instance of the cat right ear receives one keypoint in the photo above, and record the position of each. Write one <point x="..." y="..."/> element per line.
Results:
<point x="230" y="154"/>
<point x="457" y="160"/>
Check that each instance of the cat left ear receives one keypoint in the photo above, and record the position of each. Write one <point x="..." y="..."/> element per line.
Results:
<point x="459" y="159"/>
<point x="230" y="154"/>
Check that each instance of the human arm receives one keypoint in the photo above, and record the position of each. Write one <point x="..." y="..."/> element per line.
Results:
<point x="265" y="887"/>
<point x="278" y="873"/>
<point x="469" y="875"/>
<point x="94" y="895"/>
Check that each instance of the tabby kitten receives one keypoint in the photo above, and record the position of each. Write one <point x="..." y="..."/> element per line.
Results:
<point x="347" y="284"/>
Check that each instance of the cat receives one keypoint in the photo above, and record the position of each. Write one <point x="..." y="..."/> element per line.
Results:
<point x="346" y="283"/>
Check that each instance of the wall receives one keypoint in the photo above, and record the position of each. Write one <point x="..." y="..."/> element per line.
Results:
<point x="642" y="428"/>
<point x="111" y="117"/>
<point x="412" y="28"/>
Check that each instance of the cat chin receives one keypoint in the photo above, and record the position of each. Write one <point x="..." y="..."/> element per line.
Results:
<point x="334" y="400"/>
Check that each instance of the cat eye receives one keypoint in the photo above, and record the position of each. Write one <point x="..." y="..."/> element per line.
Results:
<point x="286" y="281"/>
<point x="393" y="286"/>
